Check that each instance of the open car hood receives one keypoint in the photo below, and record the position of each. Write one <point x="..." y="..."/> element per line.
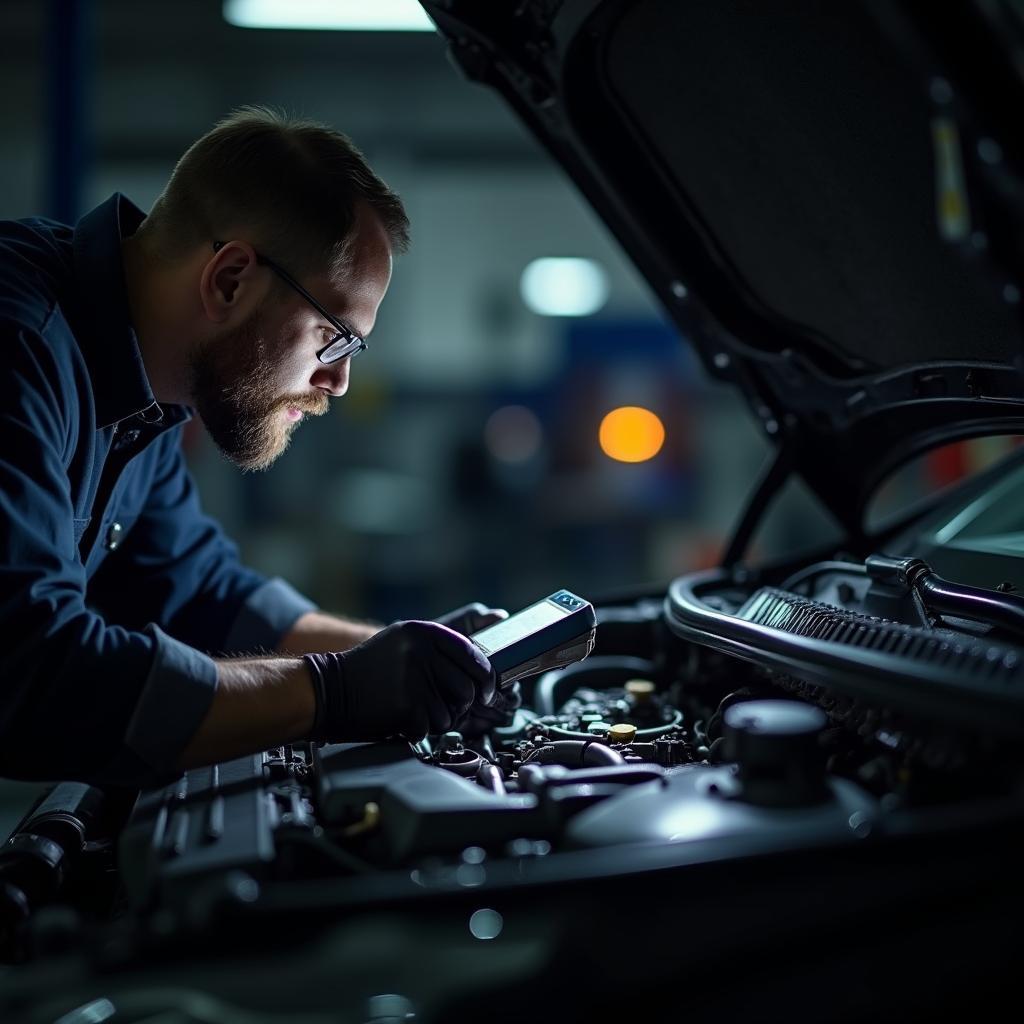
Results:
<point x="825" y="197"/>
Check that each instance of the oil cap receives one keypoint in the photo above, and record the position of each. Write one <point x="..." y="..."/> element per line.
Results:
<point x="641" y="690"/>
<point x="777" y="746"/>
<point x="624" y="732"/>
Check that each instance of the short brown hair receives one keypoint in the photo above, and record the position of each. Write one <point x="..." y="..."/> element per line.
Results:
<point x="288" y="186"/>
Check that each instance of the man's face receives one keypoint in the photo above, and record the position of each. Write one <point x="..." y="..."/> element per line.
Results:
<point x="252" y="385"/>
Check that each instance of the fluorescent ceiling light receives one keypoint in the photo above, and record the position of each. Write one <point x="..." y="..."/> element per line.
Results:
<point x="342" y="15"/>
<point x="564" y="286"/>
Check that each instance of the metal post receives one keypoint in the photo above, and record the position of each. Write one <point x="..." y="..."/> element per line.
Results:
<point x="773" y="475"/>
<point x="68" y="88"/>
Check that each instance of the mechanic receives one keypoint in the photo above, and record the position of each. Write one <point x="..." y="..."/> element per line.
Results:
<point x="243" y="295"/>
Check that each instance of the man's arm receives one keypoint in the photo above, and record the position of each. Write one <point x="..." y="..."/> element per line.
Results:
<point x="79" y="698"/>
<point x="176" y="567"/>
<point x="259" y="703"/>
<point x="317" y="632"/>
<point x="411" y="678"/>
<point x="264" y="701"/>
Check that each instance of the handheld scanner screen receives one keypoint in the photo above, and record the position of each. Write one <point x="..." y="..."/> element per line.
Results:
<point x="547" y="634"/>
<point x="519" y="626"/>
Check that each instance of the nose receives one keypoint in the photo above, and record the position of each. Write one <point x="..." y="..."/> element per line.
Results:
<point x="332" y="377"/>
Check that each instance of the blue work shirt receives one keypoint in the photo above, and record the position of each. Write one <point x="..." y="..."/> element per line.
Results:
<point x="115" y="588"/>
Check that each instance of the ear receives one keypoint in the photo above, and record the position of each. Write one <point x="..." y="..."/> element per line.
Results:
<point x="228" y="283"/>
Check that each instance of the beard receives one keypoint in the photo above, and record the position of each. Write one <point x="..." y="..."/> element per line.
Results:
<point x="232" y="388"/>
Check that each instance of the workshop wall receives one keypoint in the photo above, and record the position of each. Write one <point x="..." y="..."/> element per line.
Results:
<point x="412" y="496"/>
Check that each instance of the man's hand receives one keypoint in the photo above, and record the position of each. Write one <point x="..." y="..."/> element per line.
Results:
<point x="482" y="718"/>
<point x="471" y="618"/>
<point x="411" y="678"/>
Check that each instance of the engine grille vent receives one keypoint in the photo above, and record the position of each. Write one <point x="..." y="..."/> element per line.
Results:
<point x="800" y="616"/>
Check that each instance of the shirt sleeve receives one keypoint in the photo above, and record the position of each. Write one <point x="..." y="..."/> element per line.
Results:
<point x="79" y="698"/>
<point x="176" y="567"/>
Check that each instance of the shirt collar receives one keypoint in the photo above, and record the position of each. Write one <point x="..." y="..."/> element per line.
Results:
<point x="104" y="330"/>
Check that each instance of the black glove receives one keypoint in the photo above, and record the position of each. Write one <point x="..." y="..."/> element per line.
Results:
<point x="411" y="678"/>
<point x="471" y="618"/>
<point x="483" y="718"/>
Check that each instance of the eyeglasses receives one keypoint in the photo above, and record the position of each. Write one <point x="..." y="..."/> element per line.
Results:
<point x="345" y="343"/>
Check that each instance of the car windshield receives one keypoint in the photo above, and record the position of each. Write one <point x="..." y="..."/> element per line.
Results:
<point x="993" y="520"/>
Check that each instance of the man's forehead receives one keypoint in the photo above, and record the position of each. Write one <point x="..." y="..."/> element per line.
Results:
<point x="354" y="291"/>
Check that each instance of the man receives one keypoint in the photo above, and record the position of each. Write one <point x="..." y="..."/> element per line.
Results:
<point x="245" y="294"/>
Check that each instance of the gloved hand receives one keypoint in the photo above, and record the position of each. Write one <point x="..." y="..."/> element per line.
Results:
<point x="471" y="618"/>
<point x="411" y="678"/>
<point x="483" y="718"/>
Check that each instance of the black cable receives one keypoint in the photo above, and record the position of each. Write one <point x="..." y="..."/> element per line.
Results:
<point x="818" y="569"/>
<point x="943" y="597"/>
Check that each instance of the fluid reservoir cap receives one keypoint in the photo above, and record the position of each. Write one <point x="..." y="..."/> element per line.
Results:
<point x="776" y="744"/>
<point x="622" y="733"/>
<point x="775" y="718"/>
<point x="451" y="741"/>
<point x="597" y="728"/>
<point x="640" y="689"/>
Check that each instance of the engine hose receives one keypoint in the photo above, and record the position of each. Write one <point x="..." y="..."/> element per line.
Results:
<point x="641" y="734"/>
<point x="489" y="776"/>
<point x="535" y="778"/>
<point x="943" y="597"/>
<point x="573" y="753"/>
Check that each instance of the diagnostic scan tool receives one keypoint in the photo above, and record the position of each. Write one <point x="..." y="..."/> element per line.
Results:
<point x="549" y="634"/>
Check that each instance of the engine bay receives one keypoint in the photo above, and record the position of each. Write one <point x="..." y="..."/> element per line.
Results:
<point x="734" y="720"/>
<point x="674" y="742"/>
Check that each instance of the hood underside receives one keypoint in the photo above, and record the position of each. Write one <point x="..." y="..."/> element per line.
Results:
<point x="824" y="197"/>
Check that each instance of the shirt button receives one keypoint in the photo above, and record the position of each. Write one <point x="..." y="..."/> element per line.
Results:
<point x="126" y="438"/>
<point x="114" y="536"/>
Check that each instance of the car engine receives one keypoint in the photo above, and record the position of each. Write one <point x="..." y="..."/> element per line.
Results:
<point x="733" y="720"/>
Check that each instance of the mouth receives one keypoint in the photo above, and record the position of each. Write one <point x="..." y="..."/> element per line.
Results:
<point x="293" y="414"/>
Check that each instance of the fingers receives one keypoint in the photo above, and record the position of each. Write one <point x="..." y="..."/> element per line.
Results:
<point x="488" y="617"/>
<point x="418" y="725"/>
<point x="439" y="672"/>
<point x="482" y="718"/>
<point x="488" y="689"/>
<point x="458" y="649"/>
<point x="512" y="696"/>
<point x="471" y="618"/>
<point x="458" y="691"/>
<point x="439" y="714"/>
<point x="461" y="617"/>
<point x="469" y="660"/>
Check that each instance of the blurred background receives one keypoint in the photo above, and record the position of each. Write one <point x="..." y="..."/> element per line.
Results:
<point x="465" y="462"/>
<point x="481" y="452"/>
<point x="526" y="418"/>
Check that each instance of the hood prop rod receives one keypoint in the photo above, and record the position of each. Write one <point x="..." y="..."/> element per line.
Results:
<point x="943" y="597"/>
<point x="773" y="475"/>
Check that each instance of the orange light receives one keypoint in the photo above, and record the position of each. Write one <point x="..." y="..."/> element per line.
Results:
<point x="631" y="434"/>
